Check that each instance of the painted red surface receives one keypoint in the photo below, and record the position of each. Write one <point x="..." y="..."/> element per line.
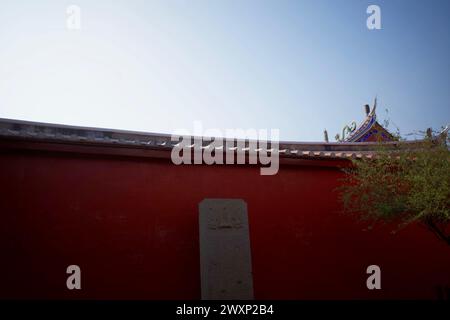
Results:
<point x="131" y="224"/>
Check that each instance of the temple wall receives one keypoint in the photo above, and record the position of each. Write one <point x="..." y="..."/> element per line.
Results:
<point x="131" y="224"/>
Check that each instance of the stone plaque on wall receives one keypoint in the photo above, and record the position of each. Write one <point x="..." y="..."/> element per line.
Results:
<point x="225" y="258"/>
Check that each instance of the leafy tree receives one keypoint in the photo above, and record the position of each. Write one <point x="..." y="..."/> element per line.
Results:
<point x="404" y="182"/>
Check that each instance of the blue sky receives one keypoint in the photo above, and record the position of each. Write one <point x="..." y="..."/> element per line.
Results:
<point x="158" y="66"/>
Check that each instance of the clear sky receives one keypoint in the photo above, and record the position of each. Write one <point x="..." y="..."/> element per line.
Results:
<point x="158" y="66"/>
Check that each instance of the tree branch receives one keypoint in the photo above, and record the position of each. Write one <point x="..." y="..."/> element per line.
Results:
<point x="437" y="231"/>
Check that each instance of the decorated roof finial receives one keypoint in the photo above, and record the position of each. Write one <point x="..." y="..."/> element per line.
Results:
<point x="347" y="130"/>
<point x="325" y="134"/>
<point x="369" y="130"/>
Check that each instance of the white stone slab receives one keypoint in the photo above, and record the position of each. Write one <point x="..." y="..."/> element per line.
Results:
<point x="225" y="257"/>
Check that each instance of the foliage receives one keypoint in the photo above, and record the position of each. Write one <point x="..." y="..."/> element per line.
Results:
<point x="407" y="183"/>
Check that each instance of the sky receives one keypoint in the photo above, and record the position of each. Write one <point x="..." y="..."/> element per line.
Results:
<point x="159" y="66"/>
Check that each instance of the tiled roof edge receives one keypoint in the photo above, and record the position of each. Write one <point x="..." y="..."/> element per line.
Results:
<point x="65" y="133"/>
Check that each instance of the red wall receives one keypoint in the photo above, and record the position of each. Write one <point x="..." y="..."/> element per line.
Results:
<point x="131" y="224"/>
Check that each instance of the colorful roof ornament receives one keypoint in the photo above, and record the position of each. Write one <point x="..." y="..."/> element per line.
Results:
<point x="368" y="131"/>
